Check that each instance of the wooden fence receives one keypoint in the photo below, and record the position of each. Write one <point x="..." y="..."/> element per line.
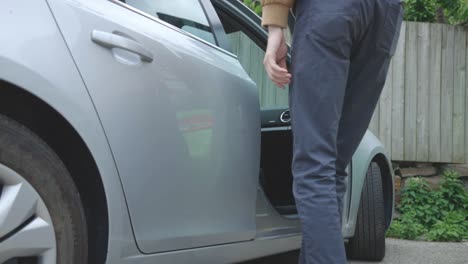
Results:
<point x="422" y="113"/>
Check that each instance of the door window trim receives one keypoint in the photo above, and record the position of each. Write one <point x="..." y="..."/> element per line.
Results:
<point x="216" y="25"/>
<point x="164" y="23"/>
<point x="247" y="20"/>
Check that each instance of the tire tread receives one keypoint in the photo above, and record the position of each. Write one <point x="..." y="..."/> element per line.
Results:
<point x="27" y="154"/>
<point x="368" y="242"/>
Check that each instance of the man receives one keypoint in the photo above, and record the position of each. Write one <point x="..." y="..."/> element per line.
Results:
<point x="341" y="51"/>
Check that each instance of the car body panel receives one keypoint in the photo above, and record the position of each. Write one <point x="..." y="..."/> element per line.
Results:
<point x="184" y="128"/>
<point x="224" y="254"/>
<point x="56" y="81"/>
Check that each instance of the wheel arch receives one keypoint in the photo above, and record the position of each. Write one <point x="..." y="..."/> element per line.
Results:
<point x="370" y="150"/>
<point x="59" y="134"/>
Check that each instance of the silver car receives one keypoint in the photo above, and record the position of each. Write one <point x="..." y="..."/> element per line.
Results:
<point x="130" y="132"/>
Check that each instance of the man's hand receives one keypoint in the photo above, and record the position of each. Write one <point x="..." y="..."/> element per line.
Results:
<point x="275" y="57"/>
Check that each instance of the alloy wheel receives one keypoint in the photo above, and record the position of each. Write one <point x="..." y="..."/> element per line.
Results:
<point x="26" y="230"/>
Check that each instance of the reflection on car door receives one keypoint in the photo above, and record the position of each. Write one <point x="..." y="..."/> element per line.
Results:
<point x="181" y="117"/>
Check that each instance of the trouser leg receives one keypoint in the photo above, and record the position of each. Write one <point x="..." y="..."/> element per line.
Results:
<point x="370" y="60"/>
<point x="320" y="68"/>
<point x="358" y="107"/>
<point x="331" y="111"/>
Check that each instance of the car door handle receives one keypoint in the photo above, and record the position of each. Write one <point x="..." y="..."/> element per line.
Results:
<point x="111" y="40"/>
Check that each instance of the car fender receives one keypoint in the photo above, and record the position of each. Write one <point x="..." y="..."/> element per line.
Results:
<point x="367" y="151"/>
<point x="57" y="82"/>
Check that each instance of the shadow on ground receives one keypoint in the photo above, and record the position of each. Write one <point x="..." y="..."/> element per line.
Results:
<point x="286" y="258"/>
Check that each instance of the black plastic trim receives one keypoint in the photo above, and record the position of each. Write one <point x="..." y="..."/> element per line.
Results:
<point x="216" y="25"/>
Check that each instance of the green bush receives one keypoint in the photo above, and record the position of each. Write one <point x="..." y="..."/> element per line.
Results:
<point x="451" y="11"/>
<point x="452" y="227"/>
<point x="254" y="5"/>
<point x="436" y="214"/>
<point x="420" y="10"/>
<point x="456" y="11"/>
<point x="406" y="227"/>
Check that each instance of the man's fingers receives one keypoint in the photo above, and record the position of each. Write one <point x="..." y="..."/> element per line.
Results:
<point x="277" y="73"/>
<point x="280" y="81"/>
<point x="282" y="63"/>
<point x="281" y="85"/>
<point x="283" y="80"/>
<point x="280" y="75"/>
<point x="275" y="57"/>
<point x="277" y="68"/>
<point x="270" y="60"/>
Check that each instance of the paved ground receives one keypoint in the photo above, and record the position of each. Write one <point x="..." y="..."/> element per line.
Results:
<point x="416" y="252"/>
<point x="401" y="252"/>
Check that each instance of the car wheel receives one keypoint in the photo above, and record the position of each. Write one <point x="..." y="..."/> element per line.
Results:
<point x="368" y="242"/>
<point x="41" y="217"/>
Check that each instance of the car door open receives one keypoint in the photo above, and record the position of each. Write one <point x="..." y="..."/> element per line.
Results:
<point x="180" y="114"/>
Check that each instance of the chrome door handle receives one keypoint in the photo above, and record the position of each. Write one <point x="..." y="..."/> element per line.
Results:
<point x="110" y="40"/>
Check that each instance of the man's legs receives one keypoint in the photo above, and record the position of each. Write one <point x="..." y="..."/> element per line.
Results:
<point x="320" y="64"/>
<point x="331" y="111"/>
<point x="370" y="60"/>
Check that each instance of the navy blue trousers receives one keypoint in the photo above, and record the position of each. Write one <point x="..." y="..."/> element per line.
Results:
<point x="341" y="52"/>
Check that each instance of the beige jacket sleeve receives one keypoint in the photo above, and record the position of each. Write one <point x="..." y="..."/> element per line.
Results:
<point x="275" y="12"/>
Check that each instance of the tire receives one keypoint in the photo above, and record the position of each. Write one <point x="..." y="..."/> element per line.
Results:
<point x="38" y="166"/>
<point x="368" y="242"/>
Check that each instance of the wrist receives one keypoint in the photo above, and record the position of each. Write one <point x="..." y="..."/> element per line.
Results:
<point x="274" y="31"/>
<point x="272" y="28"/>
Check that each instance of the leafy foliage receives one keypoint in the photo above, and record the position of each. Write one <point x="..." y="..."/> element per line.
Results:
<point x="254" y="5"/>
<point x="453" y="227"/>
<point x="406" y="227"/>
<point x="456" y="11"/>
<point x="439" y="215"/>
<point x="451" y="11"/>
<point x="420" y="10"/>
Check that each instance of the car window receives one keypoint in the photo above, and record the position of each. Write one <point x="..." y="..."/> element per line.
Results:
<point x="250" y="55"/>
<point x="187" y="15"/>
<point x="248" y="43"/>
